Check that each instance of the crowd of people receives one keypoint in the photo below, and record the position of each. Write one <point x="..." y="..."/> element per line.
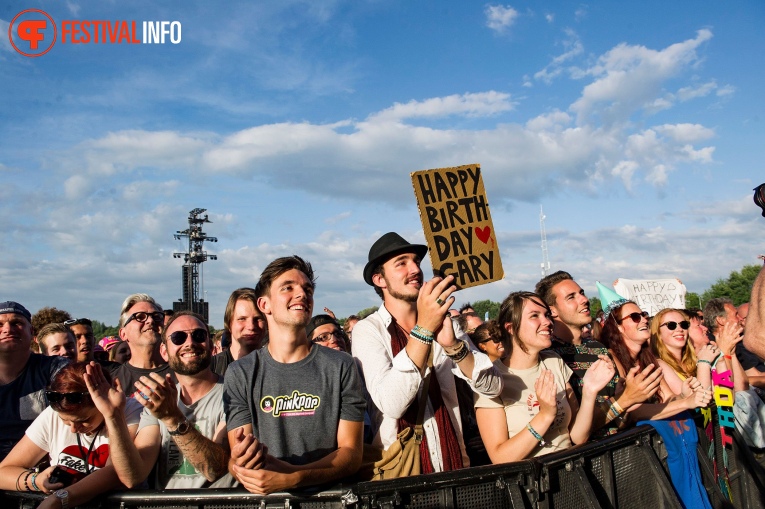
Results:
<point x="285" y="399"/>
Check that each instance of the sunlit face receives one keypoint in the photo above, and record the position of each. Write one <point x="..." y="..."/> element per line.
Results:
<point x="698" y="333"/>
<point x="571" y="304"/>
<point x="535" y="331"/>
<point x="289" y="301"/>
<point x="248" y="326"/>
<point x="634" y="332"/>
<point x="15" y="333"/>
<point x="190" y="357"/>
<point x="731" y="314"/>
<point x="401" y="277"/>
<point x="85" y="420"/>
<point x="122" y="352"/>
<point x="673" y="339"/>
<point x="329" y="335"/>
<point x="59" y="344"/>
<point x="86" y="341"/>
<point x="146" y="333"/>
<point x="495" y="350"/>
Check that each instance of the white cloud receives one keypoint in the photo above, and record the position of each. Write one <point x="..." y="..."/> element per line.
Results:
<point x="688" y="93"/>
<point x="550" y="17"/>
<point x="470" y="104"/>
<point x="500" y="17"/>
<point x="572" y="46"/>
<point x="5" y="43"/>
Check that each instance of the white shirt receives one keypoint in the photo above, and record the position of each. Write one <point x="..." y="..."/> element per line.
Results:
<point x="394" y="382"/>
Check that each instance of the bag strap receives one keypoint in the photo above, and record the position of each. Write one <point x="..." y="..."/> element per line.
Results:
<point x="424" y="395"/>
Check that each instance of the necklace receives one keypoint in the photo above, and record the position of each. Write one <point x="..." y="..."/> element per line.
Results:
<point x="88" y="468"/>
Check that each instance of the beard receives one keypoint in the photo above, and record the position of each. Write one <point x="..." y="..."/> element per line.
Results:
<point x="410" y="297"/>
<point x="190" y="368"/>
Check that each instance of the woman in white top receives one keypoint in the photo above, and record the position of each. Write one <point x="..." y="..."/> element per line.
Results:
<point x="75" y="434"/>
<point x="537" y="412"/>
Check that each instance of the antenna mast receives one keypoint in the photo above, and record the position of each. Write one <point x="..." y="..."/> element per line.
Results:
<point x="545" y="259"/>
<point x="192" y="262"/>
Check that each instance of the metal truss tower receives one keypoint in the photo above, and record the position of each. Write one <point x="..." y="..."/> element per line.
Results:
<point x="192" y="262"/>
<point x="545" y="258"/>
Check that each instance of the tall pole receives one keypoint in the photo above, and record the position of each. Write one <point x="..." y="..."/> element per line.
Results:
<point x="545" y="259"/>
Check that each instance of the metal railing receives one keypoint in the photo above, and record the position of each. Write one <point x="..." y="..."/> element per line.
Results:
<point x="625" y="471"/>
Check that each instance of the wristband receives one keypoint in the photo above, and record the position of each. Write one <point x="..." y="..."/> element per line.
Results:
<point x="726" y="357"/>
<point x="704" y="361"/>
<point x="539" y="437"/>
<point x="425" y="332"/>
<point x="421" y="339"/>
<point x="26" y="486"/>
<point x="34" y="484"/>
<point x="459" y="354"/>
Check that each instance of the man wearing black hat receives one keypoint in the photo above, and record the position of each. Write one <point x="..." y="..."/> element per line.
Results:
<point x="394" y="345"/>
<point x="23" y="375"/>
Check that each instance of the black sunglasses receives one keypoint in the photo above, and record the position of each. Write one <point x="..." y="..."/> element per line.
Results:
<point x="636" y="317"/>
<point x="496" y="341"/>
<point x="73" y="398"/>
<point x="78" y="321"/>
<point x="141" y="317"/>
<point x="197" y="336"/>
<point x="673" y="325"/>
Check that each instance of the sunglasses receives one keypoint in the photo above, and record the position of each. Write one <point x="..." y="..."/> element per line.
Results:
<point x="496" y="341"/>
<point x="636" y="317"/>
<point x="78" y="321"/>
<point x="327" y="336"/>
<point x="673" y="325"/>
<point x="197" y="336"/>
<point x="73" y="398"/>
<point x="141" y="317"/>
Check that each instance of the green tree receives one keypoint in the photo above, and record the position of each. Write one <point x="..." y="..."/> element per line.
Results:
<point x="482" y="306"/>
<point x="693" y="300"/>
<point x="100" y="330"/>
<point x="595" y="306"/>
<point x="738" y="286"/>
<point x="366" y="312"/>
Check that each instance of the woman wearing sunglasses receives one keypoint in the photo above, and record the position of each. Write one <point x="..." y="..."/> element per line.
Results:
<point x="627" y="332"/>
<point x="488" y="338"/>
<point x="75" y="435"/>
<point x="670" y="343"/>
<point x="537" y="412"/>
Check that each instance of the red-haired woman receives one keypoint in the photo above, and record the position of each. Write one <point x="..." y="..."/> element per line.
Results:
<point x="75" y="434"/>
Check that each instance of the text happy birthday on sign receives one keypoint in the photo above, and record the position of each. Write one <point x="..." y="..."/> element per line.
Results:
<point x="457" y="223"/>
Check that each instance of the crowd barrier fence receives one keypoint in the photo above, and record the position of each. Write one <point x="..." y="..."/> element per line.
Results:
<point x="625" y="471"/>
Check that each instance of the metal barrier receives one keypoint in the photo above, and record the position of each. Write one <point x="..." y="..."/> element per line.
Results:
<point x="625" y="471"/>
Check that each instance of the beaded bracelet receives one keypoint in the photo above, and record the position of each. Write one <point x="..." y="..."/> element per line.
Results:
<point x="425" y="332"/>
<point x="539" y="437"/>
<point x="421" y="339"/>
<point x="460" y="354"/>
<point x="18" y="479"/>
<point x="704" y="361"/>
<point x="26" y="484"/>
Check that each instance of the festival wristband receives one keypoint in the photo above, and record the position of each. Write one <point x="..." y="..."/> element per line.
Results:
<point x="539" y="437"/>
<point x="704" y="361"/>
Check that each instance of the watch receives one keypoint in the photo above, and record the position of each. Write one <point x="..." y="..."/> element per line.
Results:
<point x="63" y="496"/>
<point x="182" y="429"/>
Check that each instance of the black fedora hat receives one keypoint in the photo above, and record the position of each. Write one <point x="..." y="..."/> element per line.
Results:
<point x="386" y="247"/>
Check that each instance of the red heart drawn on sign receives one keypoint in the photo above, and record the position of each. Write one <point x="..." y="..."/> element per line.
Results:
<point x="483" y="234"/>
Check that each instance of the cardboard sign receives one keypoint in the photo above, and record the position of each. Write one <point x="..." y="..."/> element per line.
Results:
<point x="455" y="217"/>
<point x="652" y="295"/>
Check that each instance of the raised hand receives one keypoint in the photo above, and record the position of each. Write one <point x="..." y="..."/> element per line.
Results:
<point x="108" y="399"/>
<point x="546" y="390"/>
<point x="433" y="302"/>
<point x="708" y="353"/>
<point x="598" y="375"/>
<point x="639" y="386"/>
<point x="729" y="336"/>
<point x="159" y="395"/>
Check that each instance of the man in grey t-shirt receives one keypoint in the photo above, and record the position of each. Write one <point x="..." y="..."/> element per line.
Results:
<point x="184" y="425"/>
<point x="294" y="409"/>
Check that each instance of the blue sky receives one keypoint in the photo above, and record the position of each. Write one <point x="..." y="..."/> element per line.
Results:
<point x="637" y="126"/>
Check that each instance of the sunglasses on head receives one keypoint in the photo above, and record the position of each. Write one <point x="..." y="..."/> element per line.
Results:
<point x="636" y="317"/>
<point x="197" y="336"/>
<point x="673" y="325"/>
<point x="73" y="398"/>
<point x="78" y="321"/>
<point x="141" y="317"/>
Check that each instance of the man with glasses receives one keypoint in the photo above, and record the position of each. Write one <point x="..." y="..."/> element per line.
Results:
<point x="183" y="425"/>
<point x="326" y="331"/>
<point x="23" y="375"/>
<point x="141" y="321"/>
<point x="245" y="326"/>
<point x="570" y="309"/>
<point x="294" y="410"/>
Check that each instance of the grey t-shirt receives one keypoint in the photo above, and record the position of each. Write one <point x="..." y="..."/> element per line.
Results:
<point x="294" y="408"/>
<point x="173" y="470"/>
